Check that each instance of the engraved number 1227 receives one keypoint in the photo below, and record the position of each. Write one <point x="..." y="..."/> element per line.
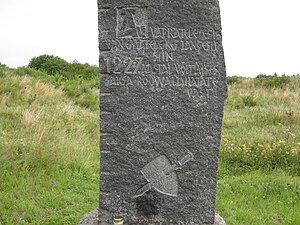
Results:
<point x="118" y="65"/>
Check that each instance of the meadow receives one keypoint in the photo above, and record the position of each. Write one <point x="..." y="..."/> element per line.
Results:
<point x="49" y="146"/>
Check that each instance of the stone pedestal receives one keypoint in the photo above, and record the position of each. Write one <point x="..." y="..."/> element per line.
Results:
<point x="92" y="219"/>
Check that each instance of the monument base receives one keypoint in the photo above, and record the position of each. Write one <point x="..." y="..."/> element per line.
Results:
<point x="92" y="219"/>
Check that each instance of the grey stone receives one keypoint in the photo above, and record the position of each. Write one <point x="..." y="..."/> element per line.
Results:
<point x="92" y="219"/>
<point x="162" y="88"/>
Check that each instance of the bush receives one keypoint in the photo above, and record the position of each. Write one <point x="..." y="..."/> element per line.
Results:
<point x="272" y="81"/>
<point x="21" y="71"/>
<point x="242" y="102"/>
<point x="78" y="81"/>
<point x="234" y="80"/>
<point x="84" y="71"/>
<point x="249" y="101"/>
<point x="3" y="65"/>
<point x="52" y="65"/>
<point x="3" y="68"/>
<point x="89" y="101"/>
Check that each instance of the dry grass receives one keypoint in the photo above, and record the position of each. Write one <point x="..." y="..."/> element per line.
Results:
<point x="30" y="118"/>
<point x="47" y="91"/>
<point x="31" y="86"/>
<point x="3" y="99"/>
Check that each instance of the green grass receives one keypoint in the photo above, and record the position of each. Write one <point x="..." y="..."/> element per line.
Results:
<point x="49" y="154"/>
<point x="49" y="149"/>
<point x="259" y="171"/>
<point x="264" y="135"/>
<point x="259" y="197"/>
<point x="81" y="88"/>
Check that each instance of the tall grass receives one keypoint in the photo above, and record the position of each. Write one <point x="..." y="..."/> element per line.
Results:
<point x="261" y="124"/>
<point x="49" y="154"/>
<point x="80" y="82"/>
<point x="49" y="149"/>
<point x="259" y="170"/>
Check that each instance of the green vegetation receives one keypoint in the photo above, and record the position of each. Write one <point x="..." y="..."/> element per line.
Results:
<point x="49" y="153"/>
<point x="52" y="65"/>
<point x="259" y="171"/>
<point x="80" y="82"/>
<point x="272" y="81"/>
<point x="49" y="147"/>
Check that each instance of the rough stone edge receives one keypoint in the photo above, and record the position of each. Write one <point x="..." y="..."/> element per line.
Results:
<point x="92" y="219"/>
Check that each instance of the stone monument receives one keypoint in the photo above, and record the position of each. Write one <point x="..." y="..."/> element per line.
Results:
<point x="163" y="87"/>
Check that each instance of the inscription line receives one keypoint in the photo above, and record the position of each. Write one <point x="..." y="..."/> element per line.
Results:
<point x="105" y="113"/>
<point x="105" y="173"/>
<point x="105" y="152"/>
<point x="105" y="94"/>
<point x="105" y="134"/>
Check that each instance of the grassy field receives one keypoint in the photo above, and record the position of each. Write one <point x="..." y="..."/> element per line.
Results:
<point x="49" y="154"/>
<point x="259" y="168"/>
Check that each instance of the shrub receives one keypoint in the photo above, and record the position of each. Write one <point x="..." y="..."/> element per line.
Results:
<point x="241" y="102"/>
<point x="3" y="69"/>
<point x="272" y="81"/>
<point x="52" y="65"/>
<point x="21" y="71"/>
<point x="77" y="80"/>
<point x="84" y="71"/>
<point x="90" y="101"/>
<point x="249" y="101"/>
<point x="234" y="80"/>
<point x="3" y="65"/>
